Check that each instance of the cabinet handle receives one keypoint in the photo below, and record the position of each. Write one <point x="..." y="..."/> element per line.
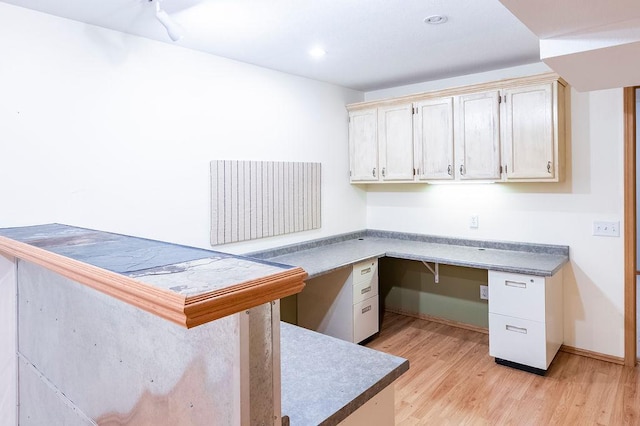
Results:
<point x="548" y="166"/>
<point x="461" y="169"/>
<point x="449" y="170"/>
<point x="374" y="172"/>
<point x="383" y="171"/>
<point x="365" y="290"/>
<point x="365" y="271"/>
<point x="515" y="284"/>
<point x="368" y="308"/>
<point x="516" y="329"/>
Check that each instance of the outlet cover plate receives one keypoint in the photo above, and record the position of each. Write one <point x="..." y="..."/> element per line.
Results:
<point x="473" y="221"/>
<point x="606" y="229"/>
<point x="484" y="292"/>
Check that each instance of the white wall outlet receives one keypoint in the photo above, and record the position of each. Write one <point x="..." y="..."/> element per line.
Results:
<point x="473" y="221"/>
<point x="484" y="292"/>
<point x="606" y="229"/>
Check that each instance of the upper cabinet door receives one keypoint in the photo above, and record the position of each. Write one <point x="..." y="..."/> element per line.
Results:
<point x="395" y="141"/>
<point x="434" y="139"/>
<point x="529" y="142"/>
<point x="363" y="145"/>
<point x="478" y="136"/>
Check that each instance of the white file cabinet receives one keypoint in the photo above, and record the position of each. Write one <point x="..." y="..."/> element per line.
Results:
<point x="525" y="319"/>
<point x="343" y="303"/>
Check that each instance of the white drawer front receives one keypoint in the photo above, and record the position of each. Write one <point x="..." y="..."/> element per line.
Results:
<point x="517" y="295"/>
<point x="518" y="340"/>
<point x="365" y="271"/>
<point x="365" y="319"/>
<point x="365" y="290"/>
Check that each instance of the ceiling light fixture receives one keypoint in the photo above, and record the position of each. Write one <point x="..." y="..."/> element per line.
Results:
<point x="435" y="19"/>
<point x="317" y="52"/>
<point x="174" y="30"/>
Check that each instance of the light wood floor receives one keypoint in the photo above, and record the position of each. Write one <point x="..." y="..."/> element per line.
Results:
<point x="452" y="380"/>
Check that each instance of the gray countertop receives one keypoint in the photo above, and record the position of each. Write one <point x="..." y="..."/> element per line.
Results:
<point x="319" y="258"/>
<point x="325" y="379"/>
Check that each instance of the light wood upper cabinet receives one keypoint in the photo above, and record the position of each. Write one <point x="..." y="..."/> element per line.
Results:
<point x="395" y="142"/>
<point x="478" y="136"/>
<point x="363" y="145"/>
<point x="504" y="131"/>
<point x="530" y="133"/>
<point x="433" y="136"/>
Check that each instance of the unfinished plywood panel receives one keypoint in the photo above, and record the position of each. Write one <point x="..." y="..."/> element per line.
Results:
<point x="257" y="199"/>
<point x="116" y="364"/>
<point x="8" y="341"/>
<point x="265" y="406"/>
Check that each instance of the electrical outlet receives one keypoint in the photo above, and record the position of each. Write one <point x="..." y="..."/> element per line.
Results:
<point x="473" y="222"/>
<point x="484" y="292"/>
<point x="606" y="229"/>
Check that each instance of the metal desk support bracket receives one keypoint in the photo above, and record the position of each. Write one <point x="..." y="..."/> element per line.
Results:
<point x="435" y="272"/>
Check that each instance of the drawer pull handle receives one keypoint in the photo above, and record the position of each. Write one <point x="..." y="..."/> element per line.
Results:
<point x="365" y="271"/>
<point x="516" y="329"/>
<point x="515" y="284"/>
<point x="365" y="290"/>
<point x="366" y="309"/>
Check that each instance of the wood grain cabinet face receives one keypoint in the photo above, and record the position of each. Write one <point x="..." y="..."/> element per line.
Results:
<point x="433" y="137"/>
<point x="363" y="145"/>
<point x="530" y="133"/>
<point x="478" y="136"/>
<point x="504" y="131"/>
<point x="395" y="142"/>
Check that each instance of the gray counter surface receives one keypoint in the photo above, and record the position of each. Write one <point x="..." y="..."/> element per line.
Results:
<point x="325" y="379"/>
<point x="318" y="258"/>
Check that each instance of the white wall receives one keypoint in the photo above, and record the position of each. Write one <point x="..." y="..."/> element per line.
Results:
<point x="560" y="213"/>
<point x="106" y="130"/>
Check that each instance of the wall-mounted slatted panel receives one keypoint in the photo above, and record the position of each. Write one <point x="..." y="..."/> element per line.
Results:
<point x="256" y="199"/>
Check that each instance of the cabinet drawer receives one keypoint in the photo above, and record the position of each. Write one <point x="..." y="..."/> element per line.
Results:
<point x="518" y="340"/>
<point x="365" y="319"/>
<point x="365" y="271"/>
<point x="517" y="295"/>
<point x="365" y="290"/>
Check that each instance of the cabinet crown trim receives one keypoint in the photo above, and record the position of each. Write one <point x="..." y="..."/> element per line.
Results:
<point x="461" y="90"/>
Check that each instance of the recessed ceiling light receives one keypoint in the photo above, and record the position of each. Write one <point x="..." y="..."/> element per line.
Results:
<point x="435" y="19"/>
<point x="317" y="52"/>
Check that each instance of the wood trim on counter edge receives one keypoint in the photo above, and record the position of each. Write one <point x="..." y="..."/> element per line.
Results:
<point x="185" y="311"/>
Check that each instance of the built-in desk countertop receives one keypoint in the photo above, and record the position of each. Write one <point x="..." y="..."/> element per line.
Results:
<point x="323" y="256"/>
